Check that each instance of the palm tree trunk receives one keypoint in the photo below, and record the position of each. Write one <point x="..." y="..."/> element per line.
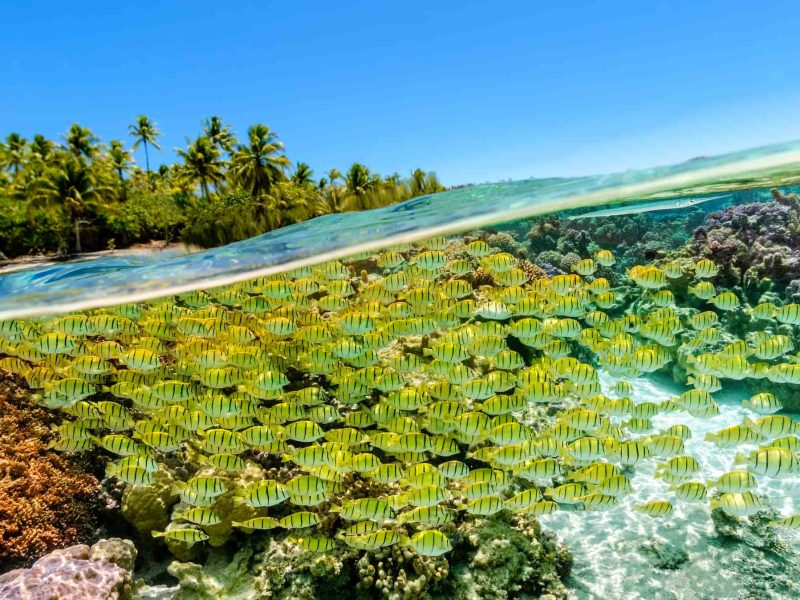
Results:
<point x="204" y="185"/>
<point x="77" y="236"/>
<point x="146" y="159"/>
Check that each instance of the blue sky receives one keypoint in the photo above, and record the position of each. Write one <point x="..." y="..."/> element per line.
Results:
<point x="476" y="91"/>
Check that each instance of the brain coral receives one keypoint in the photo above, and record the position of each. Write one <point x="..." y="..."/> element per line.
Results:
<point x="46" y="500"/>
<point x="73" y="573"/>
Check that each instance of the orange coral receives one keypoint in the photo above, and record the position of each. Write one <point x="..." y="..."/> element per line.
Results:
<point x="46" y="500"/>
<point x="532" y="270"/>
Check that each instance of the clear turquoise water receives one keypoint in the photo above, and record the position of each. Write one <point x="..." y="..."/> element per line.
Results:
<point x="611" y="559"/>
<point x="104" y="281"/>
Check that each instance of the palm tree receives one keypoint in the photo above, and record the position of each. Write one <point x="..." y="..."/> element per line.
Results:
<point x="358" y="179"/>
<point x="421" y="183"/>
<point x="41" y="147"/>
<point x="333" y="175"/>
<point x="81" y="141"/>
<point x="12" y="153"/>
<point x="202" y="163"/>
<point x="258" y="165"/>
<point x="393" y="179"/>
<point x="70" y="184"/>
<point x="302" y="174"/>
<point x="219" y="133"/>
<point x="145" y="132"/>
<point x="121" y="159"/>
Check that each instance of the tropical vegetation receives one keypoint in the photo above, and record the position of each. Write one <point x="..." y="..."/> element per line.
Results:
<point x="81" y="194"/>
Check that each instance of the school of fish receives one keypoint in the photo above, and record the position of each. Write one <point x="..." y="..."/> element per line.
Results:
<point x="405" y="370"/>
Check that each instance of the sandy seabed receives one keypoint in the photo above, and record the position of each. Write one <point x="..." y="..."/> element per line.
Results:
<point x="611" y="549"/>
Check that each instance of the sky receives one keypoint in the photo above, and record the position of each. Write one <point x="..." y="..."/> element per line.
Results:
<point x="475" y="91"/>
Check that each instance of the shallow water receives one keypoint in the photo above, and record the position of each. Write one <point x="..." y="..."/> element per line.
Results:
<point x="104" y="282"/>
<point x="719" y="209"/>
<point x="610" y="561"/>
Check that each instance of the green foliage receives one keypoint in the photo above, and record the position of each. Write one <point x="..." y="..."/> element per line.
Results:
<point x="234" y="217"/>
<point x="26" y="231"/>
<point x="147" y="216"/>
<point x="84" y="195"/>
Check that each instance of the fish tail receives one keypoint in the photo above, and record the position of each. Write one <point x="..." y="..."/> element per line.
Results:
<point x="739" y="459"/>
<point x="158" y="534"/>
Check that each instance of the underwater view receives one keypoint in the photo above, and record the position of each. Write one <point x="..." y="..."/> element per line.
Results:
<point x="553" y="388"/>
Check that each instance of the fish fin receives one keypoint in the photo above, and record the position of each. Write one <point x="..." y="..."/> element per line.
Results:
<point x="178" y="487"/>
<point x="740" y="459"/>
<point x="158" y="534"/>
<point x="748" y="422"/>
<point x="239" y="500"/>
<point x="714" y="503"/>
<point x="710" y="437"/>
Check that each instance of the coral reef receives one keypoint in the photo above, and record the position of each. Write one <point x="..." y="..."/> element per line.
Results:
<point x="102" y="572"/>
<point x="495" y="559"/>
<point x="752" y="243"/>
<point x="46" y="500"/>
<point x="507" y="557"/>
<point x="505" y="241"/>
<point x="147" y="507"/>
<point x="399" y="574"/>
<point x="635" y="238"/>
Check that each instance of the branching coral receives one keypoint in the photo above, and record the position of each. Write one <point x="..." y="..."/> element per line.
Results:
<point x="46" y="500"/>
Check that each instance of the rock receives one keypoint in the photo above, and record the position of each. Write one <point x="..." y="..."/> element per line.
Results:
<point x="74" y="573"/>
<point x="143" y="591"/>
<point x="667" y="556"/>
<point x="753" y="531"/>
